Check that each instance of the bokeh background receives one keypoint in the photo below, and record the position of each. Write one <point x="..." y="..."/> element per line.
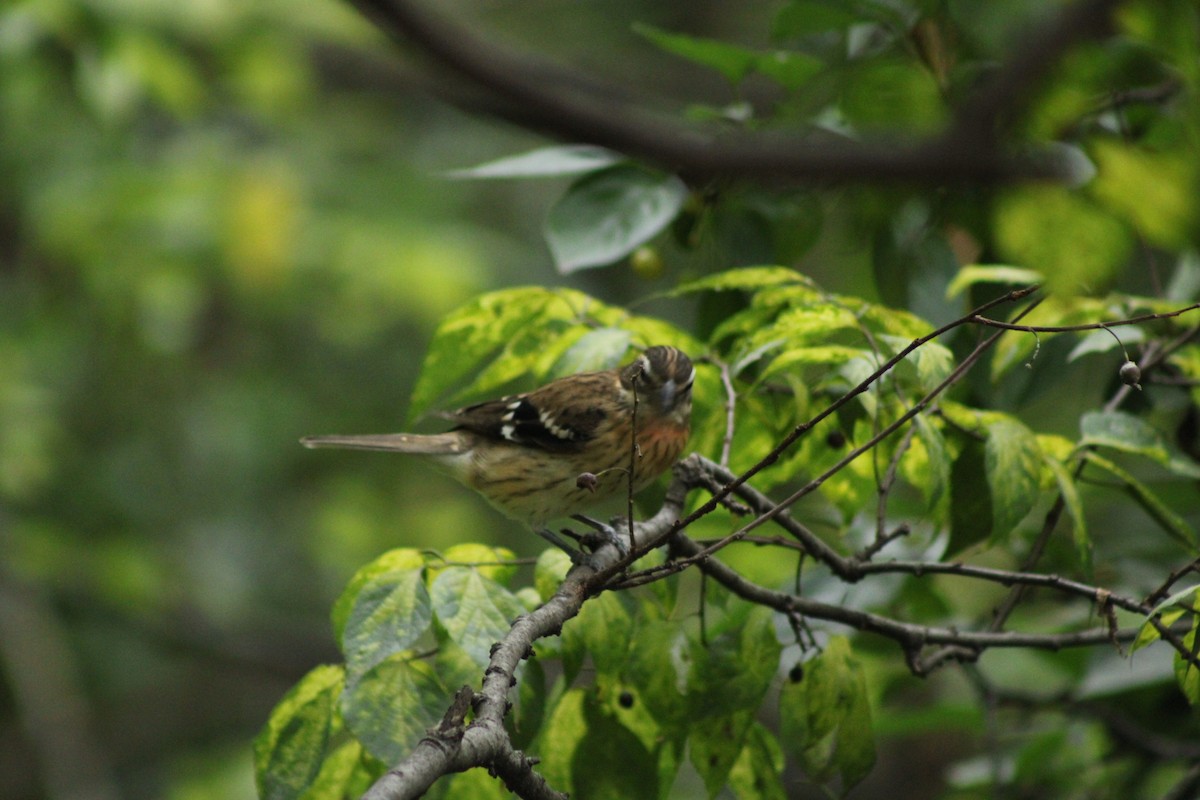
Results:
<point x="225" y="225"/>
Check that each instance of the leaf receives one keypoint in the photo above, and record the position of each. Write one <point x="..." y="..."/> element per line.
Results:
<point x="344" y="773"/>
<point x="790" y="69"/>
<point x="758" y="771"/>
<point x="1160" y="512"/>
<point x="804" y="18"/>
<point x="610" y="761"/>
<point x="1129" y="434"/>
<point x="604" y="625"/>
<point x="392" y="705"/>
<point x="1155" y="191"/>
<point x="1148" y="634"/>
<point x="937" y="473"/>
<point x="987" y="273"/>
<point x="475" y="611"/>
<point x="1013" y="462"/>
<point x="1103" y="341"/>
<point x="550" y="571"/>
<point x="1077" y="246"/>
<point x="605" y="215"/>
<point x="290" y="749"/>
<point x="565" y="727"/>
<point x="714" y="747"/>
<point x="468" y="335"/>
<point x="1185" y="599"/>
<point x="403" y="558"/>
<point x="1187" y="673"/>
<point x="732" y="61"/>
<point x="1122" y="431"/>
<point x="970" y="499"/>
<point x="491" y="562"/>
<point x="391" y="611"/>
<point x="545" y="162"/>
<point x="745" y="279"/>
<point x="1074" y="506"/>
<point x="734" y="670"/>
<point x="825" y="717"/>
<point x="653" y="666"/>
<point x="600" y="349"/>
<point x="934" y="363"/>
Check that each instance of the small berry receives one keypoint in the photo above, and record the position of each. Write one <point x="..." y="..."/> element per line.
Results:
<point x="647" y="263"/>
<point x="1131" y="375"/>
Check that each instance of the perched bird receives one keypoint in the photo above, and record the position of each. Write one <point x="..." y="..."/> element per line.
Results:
<point x="560" y="449"/>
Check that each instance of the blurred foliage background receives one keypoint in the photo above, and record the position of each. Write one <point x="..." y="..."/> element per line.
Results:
<point x="227" y="225"/>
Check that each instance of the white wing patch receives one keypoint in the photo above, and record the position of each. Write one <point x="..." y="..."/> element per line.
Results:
<point x="556" y="430"/>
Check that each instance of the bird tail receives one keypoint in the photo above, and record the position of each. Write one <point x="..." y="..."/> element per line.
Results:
<point x="419" y="444"/>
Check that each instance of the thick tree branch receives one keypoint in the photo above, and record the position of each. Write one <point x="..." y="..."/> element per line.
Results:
<point x="548" y="99"/>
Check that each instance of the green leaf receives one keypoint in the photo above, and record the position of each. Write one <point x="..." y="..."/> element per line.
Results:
<point x="560" y="737"/>
<point x="1013" y="461"/>
<point x="390" y="612"/>
<point x="934" y="363"/>
<point x="600" y="349"/>
<point x="476" y="784"/>
<point x="1185" y="599"/>
<point x="804" y="18"/>
<point x="1155" y="191"/>
<point x="1104" y="341"/>
<point x="934" y="479"/>
<point x="550" y="571"/>
<point x="490" y="562"/>
<point x="604" y="216"/>
<point x="971" y="501"/>
<point x="1074" y="506"/>
<point x="714" y="747"/>
<point x="610" y="761"/>
<point x="290" y="750"/>
<point x="343" y="774"/>
<point x="745" y="279"/>
<point x="400" y="559"/>
<point x="1160" y="512"/>
<point x="790" y="69"/>
<point x="1130" y="434"/>
<point x="885" y="95"/>
<point x="757" y="773"/>
<point x="1148" y="634"/>
<point x="530" y="711"/>
<point x="545" y="162"/>
<point x="730" y="60"/>
<point x="735" y="668"/>
<point x="974" y="274"/>
<point x="652" y="667"/>
<point x="1187" y="673"/>
<point x="475" y="611"/>
<point x="1077" y="246"/>
<point x="472" y="333"/>
<point x="392" y="705"/>
<point x="825" y="717"/>
<point x="605" y="625"/>
<point x="1124" y="432"/>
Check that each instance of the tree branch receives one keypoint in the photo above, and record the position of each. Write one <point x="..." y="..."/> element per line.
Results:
<point x="567" y="106"/>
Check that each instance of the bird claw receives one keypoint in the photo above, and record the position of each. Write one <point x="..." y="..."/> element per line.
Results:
<point x="605" y="533"/>
<point x="600" y="535"/>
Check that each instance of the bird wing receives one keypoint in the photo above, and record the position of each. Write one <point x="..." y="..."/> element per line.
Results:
<point x="560" y="416"/>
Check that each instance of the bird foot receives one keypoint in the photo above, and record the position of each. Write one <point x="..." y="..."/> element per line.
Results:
<point x="603" y="534"/>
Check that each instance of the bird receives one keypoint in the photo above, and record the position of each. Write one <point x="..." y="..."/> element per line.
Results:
<point x="556" y="451"/>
